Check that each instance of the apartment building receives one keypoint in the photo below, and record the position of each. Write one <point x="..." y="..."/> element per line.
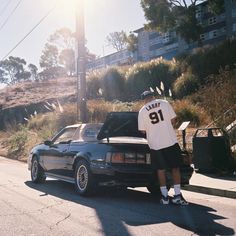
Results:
<point x="215" y="29"/>
<point x="153" y="44"/>
<point x="124" y="57"/>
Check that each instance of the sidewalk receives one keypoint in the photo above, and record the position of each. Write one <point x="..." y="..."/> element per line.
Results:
<point x="213" y="185"/>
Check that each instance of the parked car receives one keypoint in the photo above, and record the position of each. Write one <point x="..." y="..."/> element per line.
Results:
<point x="90" y="155"/>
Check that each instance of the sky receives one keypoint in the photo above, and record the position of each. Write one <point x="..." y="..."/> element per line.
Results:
<point x="101" y="18"/>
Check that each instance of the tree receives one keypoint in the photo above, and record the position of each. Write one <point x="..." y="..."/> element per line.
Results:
<point x="59" y="52"/>
<point x="216" y="6"/>
<point x="49" y="62"/>
<point x="164" y="15"/>
<point x="12" y="70"/>
<point x="33" y="70"/>
<point x="49" y="57"/>
<point x="3" y="78"/>
<point x="132" y="42"/>
<point x="117" y="40"/>
<point x="64" y="38"/>
<point x="67" y="58"/>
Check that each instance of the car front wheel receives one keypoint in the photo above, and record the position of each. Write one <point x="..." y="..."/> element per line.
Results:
<point x="37" y="172"/>
<point x="84" y="181"/>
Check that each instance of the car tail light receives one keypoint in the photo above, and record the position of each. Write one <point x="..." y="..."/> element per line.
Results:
<point x="117" y="157"/>
<point x="128" y="157"/>
<point x="141" y="158"/>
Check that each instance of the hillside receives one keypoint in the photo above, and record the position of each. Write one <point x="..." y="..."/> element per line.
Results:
<point x="26" y="93"/>
<point x="20" y="101"/>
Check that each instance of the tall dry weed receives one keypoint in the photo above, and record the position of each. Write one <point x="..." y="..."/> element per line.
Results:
<point x="219" y="98"/>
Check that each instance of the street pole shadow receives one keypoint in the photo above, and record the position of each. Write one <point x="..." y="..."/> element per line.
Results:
<point x="135" y="208"/>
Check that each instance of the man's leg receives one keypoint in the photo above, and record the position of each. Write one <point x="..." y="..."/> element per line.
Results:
<point x="176" y="175"/>
<point x="162" y="177"/>
<point x="176" y="180"/>
<point x="178" y="198"/>
<point x="162" y="181"/>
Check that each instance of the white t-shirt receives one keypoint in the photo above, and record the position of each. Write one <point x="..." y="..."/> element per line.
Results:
<point x="155" y="118"/>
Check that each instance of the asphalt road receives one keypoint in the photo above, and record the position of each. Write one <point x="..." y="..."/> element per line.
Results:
<point x="54" y="208"/>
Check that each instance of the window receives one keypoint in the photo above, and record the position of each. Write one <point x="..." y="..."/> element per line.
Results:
<point x="212" y="20"/>
<point x="223" y="29"/>
<point x="213" y="34"/>
<point x="65" y="136"/>
<point x="233" y="13"/>
<point x="198" y="9"/>
<point x="166" y="37"/>
<point x="234" y="27"/>
<point x="222" y="16"/>
<point x="198" y="15"/>
<point x="153" y="35"/>
<point x="202" y="37"/>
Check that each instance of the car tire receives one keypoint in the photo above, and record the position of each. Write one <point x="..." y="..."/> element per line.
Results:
<point x="37" y="172"/>
<point x="84" y="180"/>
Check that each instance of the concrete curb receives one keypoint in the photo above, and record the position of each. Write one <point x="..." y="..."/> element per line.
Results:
<point x="210" y="191"/>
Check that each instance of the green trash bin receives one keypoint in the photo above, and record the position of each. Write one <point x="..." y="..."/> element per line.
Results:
<point x="211" y="150"/>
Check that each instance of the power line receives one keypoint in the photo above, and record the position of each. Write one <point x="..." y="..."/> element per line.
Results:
<point x="41" y="20"/>
<point x="4" y="23"/>
<point x="5" y="7"/>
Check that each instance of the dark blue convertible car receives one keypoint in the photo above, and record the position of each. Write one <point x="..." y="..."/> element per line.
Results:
<point x="91" y="155"/>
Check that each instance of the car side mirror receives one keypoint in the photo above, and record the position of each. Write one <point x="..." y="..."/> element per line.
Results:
<point x="48" y="142"/>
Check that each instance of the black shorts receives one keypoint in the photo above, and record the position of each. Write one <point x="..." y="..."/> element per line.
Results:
<point x="166" y="158"/>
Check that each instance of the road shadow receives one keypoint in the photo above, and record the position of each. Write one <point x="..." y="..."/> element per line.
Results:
<point x="137" y="208"/>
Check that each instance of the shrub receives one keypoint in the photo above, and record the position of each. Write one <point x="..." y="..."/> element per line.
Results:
<point x="40" y="121"/>
<point x="67" y="117"/>
<point x="113" y="84"/>
<point x="98" y="109"/>
<point x="185" y="85"/>
<point x="142" y="76"/>
<point x="94" y="83"/>
<point x="17" y="142"/>
<point x="207" y="61"/>
<point x="186" y="111"/>
<point x="219" y="98"/>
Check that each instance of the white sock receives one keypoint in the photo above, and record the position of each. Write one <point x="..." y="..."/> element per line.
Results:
<point x="164" y="191"/>
<point x="177" y="189"/>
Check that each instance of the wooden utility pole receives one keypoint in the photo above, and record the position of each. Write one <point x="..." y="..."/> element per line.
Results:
<point x="81" y="58"/>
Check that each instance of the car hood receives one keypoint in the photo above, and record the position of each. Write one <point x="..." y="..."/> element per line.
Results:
<point x="120" y="124"/>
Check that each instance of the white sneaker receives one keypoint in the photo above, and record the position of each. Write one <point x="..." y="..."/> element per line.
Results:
<point x="179" y="200"/>
<point x="164" y="200"/>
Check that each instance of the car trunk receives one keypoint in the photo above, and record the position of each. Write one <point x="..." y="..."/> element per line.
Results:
<point x="129" y="154"/>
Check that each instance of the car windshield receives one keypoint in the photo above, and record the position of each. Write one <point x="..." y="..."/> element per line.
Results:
<point x="65" y="136"/>
<point x="87" y="132"/>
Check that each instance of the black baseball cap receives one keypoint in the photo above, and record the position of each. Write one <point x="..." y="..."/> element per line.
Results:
<point x="147" y="94"/>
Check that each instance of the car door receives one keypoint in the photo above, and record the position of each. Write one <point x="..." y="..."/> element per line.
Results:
<point x="56" y="158"/>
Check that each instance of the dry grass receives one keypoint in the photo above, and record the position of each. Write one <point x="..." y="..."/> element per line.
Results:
<point x="33" y="92"/>
<point x="187" y="111"/>
<point x="218" y="98"/>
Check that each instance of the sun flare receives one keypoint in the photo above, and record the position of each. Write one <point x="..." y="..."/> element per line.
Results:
<point x="90" y="6"/>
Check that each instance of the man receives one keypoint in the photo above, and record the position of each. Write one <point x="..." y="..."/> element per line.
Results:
<point x="155" y="119"/>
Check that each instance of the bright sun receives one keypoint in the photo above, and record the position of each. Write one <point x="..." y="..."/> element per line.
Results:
<point x="68" y="6"/>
